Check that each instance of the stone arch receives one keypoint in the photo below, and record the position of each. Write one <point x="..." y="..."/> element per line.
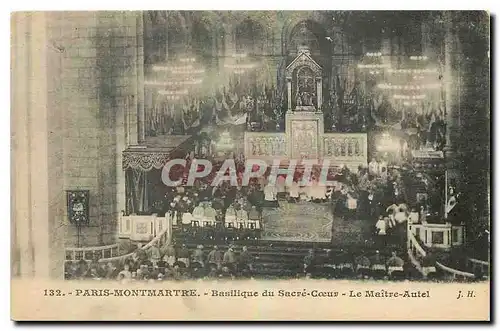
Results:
<point x="294" y="20"/>
<point x="249" y="37"/>
<point x="202" y="38"/>
<point x="314" y="30"/>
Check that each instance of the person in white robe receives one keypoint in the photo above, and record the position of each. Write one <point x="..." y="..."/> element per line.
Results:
<point x="241" y="218"/>
<point x="381" y="226"/>
<point x="270" y="193"/>
<point x="230" y="216"/>
<point x="413" y="217"/>
<point x="210" y="213"/>
<point x="199" y="212"/>
<point x="280" y="185"/>
<point x="373" y="167"/>
<point x="294" y="191"/>
<point x="319" y="191"/>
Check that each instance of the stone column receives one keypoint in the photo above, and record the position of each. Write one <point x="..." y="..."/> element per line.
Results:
<point x="449" y="78"/>
<point x="289" y="91"/>
<point x="140" y="77"/>
<point x="319" y="88"/>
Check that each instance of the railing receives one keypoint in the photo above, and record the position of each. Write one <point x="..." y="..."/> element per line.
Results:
<point x="265" y="145"/>
<point x="346" y="146"/>
<point x="89" y="253"/>
<point x="484" y="266"/>
<point x="415" y="252"/>
<point x="455" y="274"/>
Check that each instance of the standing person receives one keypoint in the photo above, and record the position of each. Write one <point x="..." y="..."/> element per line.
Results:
<point x="169" y="255"/>
<point x="155" y="254"/>
<point x="183" y="255"/>
<point x="373" y="167"/>
<point x="245" y="259"/>
<point x="140" y="255"/>
<point x="381" y="228"/>
<point x="309" y="260"/>
<point x="229" y="258"/>
<point x="215" y="257"/>
<point x="198" y="256"/>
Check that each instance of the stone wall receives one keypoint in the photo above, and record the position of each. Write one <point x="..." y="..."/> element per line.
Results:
<point x="75" y="100"/>
<point x="98" y="74"/>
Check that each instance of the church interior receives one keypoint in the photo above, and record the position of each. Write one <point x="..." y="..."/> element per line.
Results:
<point x="396" y="104"/>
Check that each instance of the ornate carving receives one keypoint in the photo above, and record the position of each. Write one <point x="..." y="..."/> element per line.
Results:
<point x="144" y="161"/>
<point x="265" y="144"/>
<point x="304" y="135"/>
<point x="303" y="60"/>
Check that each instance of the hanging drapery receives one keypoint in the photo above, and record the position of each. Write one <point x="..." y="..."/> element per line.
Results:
<point x="137" y="191"/>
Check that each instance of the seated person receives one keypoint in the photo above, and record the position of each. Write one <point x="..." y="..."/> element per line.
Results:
<point x="241" y="217"/>
<point x="428" y="264"/>
<point x="169" y="255"/>
<point x="362" y="262"/>
<point x="344" y="261"/>
<point x="210" y="213"/>
<point x="215" y="257"/>
<point x="125" y="274"/>
<point x="230" y="214"/>
<point x="377" y="262"/>
<point x="254" y="214"/>
<point x="395" y="263"/>
<point x="93" y="274"/>
<point x="199" y="212"/>
<point x="183" y="255"/>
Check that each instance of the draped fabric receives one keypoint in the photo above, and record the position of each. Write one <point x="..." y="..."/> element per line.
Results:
<point x="137" y="191"/>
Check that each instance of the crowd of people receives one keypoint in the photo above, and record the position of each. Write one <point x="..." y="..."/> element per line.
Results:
<point x="168" y="262"/>
<point x="355" y="265"/>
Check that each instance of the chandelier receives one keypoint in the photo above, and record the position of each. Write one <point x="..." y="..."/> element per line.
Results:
<point x="239" y="64"/>
<point x="176" y="79"/>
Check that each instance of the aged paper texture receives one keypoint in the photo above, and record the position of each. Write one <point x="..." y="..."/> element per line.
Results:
<point x="259" y="165"/>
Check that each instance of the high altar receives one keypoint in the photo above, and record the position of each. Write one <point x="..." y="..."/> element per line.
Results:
<point x="304" y="136"/>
